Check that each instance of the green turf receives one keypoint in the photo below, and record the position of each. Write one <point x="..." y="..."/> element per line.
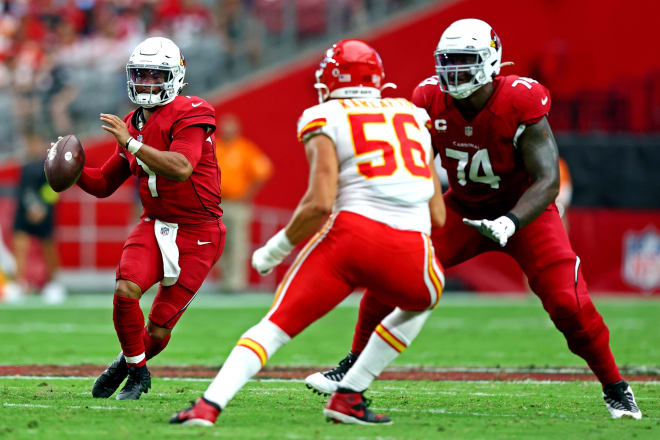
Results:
<point x="461" y="332"/>
<point x="63" y="409"/>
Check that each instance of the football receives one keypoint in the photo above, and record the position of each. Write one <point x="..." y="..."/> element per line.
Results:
<point x="64" y="163"/>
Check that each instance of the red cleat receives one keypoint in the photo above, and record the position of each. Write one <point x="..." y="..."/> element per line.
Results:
<point x="202" y="413"/>
<point x="346" y="406"/>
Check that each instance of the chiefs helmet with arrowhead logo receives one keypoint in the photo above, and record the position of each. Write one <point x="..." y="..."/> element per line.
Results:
<point x="350" y="69"/>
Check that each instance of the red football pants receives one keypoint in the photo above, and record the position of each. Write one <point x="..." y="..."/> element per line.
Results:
<point x="543" y="251"/>
<point x="200" y="247"/>
<point x="350" y="251"/>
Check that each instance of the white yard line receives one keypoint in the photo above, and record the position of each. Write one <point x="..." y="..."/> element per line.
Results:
<point x="388" y="387"/>
<point x="34" y="405"/>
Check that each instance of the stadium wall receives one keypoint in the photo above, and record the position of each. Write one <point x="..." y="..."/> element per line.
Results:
<point x="568" y="45"/>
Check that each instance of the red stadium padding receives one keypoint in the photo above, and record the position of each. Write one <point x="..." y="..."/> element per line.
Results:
<point x="572" y="47"/>
<point x="619" y="252"/>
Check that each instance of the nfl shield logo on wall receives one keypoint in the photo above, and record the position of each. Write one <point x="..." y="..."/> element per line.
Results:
<point x="164" y="230"/>
<point x="468" y="131"/>
<point x="641" y="259"/>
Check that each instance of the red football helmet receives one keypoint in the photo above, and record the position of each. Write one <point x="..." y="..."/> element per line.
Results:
<point x="350" y="69"/>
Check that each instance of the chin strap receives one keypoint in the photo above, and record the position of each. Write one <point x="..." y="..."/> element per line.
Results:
<point x="323" y="92"/>
<point x="388" y="86"/>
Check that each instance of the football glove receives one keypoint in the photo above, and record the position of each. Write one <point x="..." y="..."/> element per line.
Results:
<point x="498" y="230"/>
<point x="272" y="253"/>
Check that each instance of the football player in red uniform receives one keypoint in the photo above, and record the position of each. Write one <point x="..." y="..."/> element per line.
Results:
<point x="168" y="144"/>
<point x="495" y="142"/>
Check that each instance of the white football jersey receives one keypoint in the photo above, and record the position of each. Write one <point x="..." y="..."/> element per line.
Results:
<point x="384" y="150"/>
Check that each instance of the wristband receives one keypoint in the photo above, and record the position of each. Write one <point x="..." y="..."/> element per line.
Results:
<point x="511" y="216"/>
<point x="132" y="145"/>
<point x="279" y="245"/>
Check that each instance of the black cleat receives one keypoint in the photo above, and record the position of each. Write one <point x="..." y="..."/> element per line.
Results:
<point x="139" y="381"/>
<point x="327" y="382"/>
<point x="108" y="382"/>
<point x="620" y="400"/>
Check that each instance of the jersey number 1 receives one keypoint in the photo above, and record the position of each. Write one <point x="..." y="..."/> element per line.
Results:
<point x="480" y="160"/>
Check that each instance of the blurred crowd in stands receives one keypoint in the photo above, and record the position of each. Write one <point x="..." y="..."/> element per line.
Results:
<point x="58" y="57"/>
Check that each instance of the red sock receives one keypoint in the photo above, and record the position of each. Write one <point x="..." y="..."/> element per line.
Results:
<point x="129" y="324"/>
<point x="371" y="313"/>
<point x="153" y="346"/>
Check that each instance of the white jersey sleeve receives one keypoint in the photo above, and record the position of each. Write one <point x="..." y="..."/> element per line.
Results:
<point x="384" y="151"/>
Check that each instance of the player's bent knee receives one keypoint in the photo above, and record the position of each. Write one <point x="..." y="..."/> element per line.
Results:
<point x="128" y="289"/>
<point x="158" y="332"/>
<point x="584" y="326"/>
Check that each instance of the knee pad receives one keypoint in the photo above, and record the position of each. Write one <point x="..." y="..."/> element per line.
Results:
<point x="169" y="305"/>
<point x="562" y="289"/>
<point x="584" y="327"/>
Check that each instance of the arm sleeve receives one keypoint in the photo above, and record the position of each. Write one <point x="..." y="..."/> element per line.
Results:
<point x="102" y="182"/>
<point x="190" y="142"/>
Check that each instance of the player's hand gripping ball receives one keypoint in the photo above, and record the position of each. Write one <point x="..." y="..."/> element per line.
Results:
<point x="64" y="163"/>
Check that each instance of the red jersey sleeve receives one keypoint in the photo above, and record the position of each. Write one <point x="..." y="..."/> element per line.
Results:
<point x="192" y="111"/>
<point x="422" y="94"/>
<point x="102" y="182"/>
<point x="189" y="142"/>
<point x="532" y="100"/>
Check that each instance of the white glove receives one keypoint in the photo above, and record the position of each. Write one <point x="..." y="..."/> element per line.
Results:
<point x="272" y="253"/>
<point x="498" y="230"/>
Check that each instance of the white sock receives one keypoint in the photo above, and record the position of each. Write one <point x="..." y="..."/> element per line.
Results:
<point x="249" y="355"/>
<point x="391" y="337"/>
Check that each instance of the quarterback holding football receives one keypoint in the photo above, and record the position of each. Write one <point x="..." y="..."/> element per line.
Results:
<point x="168" y="145"/>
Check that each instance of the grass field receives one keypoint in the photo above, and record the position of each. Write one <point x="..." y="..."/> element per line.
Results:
<point x="464" y="332"/>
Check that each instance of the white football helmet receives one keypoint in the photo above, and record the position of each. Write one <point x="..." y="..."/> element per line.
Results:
<point x="158" y="66"/>
<point x="468" y="55"/>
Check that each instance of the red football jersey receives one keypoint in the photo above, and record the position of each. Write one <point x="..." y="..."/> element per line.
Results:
<point x="485" y="168"/>
<point x="197" y="199"/>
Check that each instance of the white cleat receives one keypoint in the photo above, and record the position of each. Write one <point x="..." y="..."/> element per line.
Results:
<point x="321" y="384"/>
<point x="13" y="293"/>
<point x="53" y="293"/>
<point x="620" y="401"/>
<point x="327" y="382"/>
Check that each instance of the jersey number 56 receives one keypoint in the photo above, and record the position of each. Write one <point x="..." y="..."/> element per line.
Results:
<point x="407" y="146"/>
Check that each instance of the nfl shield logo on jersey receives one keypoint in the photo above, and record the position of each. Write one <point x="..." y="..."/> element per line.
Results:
<point x="139" y="138"/>
<point x="164" y="230"/>
<point x="641" y="259"/>
<point x="468" y="130"/>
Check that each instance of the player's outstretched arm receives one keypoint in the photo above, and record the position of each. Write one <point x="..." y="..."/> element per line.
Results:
<point x="312" y="210"/>
<point x="540" y="157"/>
<point x="103" y="182"/>
<point x="170" y="164"/>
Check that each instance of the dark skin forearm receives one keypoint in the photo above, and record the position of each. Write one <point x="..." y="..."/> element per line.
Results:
<point x="539" y="152"/>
